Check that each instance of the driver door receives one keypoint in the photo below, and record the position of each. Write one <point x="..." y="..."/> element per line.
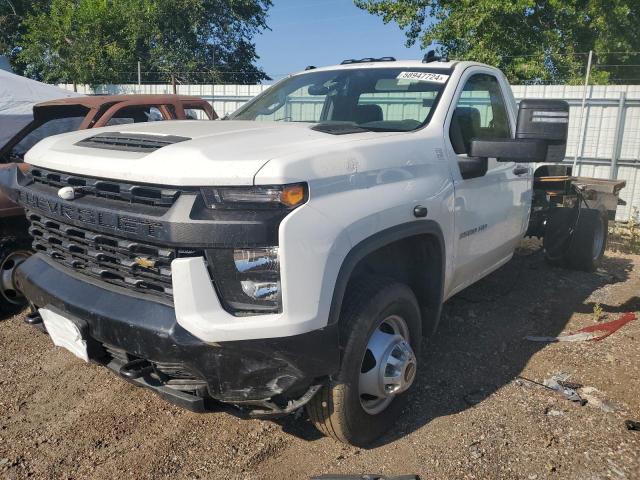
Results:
<point x="489" y="195"/>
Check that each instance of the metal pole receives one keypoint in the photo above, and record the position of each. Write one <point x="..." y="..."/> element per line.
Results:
<point x="583" y="124"/>
<point x="632" y="197"/>
<point x="139" y="74"/>
<point x="213" y="73"/>
<point x="617" y="143"/>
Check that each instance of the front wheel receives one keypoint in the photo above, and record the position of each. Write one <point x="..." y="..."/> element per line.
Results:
<point x="380" y="335"/>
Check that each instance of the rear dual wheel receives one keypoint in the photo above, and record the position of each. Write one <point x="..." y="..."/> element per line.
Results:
<point x="380" y="335"/>
<point x="576" y="238"/>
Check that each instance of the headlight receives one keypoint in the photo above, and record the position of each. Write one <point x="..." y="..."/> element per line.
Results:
<point x="248" y="280"/>
<point x="278" y="196"/>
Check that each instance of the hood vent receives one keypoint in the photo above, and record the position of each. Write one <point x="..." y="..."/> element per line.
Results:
<point x="130" y="142"/>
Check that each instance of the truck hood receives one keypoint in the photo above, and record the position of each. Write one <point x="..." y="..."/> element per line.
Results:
<point x="216" y="152"/>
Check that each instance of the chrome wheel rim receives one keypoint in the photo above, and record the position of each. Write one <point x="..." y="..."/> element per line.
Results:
<point x="388" y="366"/>
<point x="7" y="277"/>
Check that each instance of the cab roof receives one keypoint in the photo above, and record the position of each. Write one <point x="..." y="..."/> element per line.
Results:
<point x="445" y="66"/>
<point x="91" y="101"/>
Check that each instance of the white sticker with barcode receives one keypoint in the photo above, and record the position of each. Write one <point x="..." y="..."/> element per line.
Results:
<point x="423" y="77"/>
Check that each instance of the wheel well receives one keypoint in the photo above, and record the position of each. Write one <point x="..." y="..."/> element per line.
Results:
<point x="416" y="261"/>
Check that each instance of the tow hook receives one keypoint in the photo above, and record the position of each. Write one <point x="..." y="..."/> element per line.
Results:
<point x="135" y="369"/>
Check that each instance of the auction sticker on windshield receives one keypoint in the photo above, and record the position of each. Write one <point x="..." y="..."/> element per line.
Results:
<point x="423" y="77"/>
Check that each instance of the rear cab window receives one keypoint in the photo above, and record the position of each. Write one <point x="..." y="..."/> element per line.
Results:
<point x="195" y="112"/>
<point x="138" y="114"/>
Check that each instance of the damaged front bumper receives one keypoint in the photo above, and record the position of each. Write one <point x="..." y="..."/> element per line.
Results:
<point x="269" y="376"/>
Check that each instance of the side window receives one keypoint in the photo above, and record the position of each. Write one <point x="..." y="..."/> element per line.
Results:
<point x="480" y="113"/>
<point x="195" y="112"/>
<point x="136" y="114"/>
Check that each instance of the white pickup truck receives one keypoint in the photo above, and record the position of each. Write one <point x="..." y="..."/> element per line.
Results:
<point x="295" y="252"/>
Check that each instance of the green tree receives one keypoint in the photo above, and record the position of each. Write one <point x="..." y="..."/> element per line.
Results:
<point x="12" y="15"/>
<point x="101" y="41"/>
<point x="531" y="40"/>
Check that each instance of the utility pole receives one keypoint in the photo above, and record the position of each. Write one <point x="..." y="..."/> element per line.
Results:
<point x="583" y="123"/>
<point x="139" y="74"/>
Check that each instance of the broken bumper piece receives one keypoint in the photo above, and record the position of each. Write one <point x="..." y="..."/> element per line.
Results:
<point x="142" y="341"/>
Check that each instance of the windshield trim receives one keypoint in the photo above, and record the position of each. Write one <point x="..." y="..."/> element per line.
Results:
<point x="436" y="100"/>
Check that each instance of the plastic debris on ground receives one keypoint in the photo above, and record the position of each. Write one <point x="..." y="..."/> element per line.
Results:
<point x="589" y="333"/>
<point x="574" y="392"/>
<point x="632" y="425"/>
<point x="559" y="383"/>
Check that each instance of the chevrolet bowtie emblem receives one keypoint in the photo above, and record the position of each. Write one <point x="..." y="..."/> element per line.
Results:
<point x="145" y="262"/>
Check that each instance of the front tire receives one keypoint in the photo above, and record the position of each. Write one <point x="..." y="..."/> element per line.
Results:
<point x="380" y="335"/>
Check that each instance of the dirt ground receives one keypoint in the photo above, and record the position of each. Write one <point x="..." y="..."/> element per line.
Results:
<point x="469" y="417"/>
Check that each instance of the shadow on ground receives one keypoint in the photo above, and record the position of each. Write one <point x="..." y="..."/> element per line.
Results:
<point x="480" y="344"/>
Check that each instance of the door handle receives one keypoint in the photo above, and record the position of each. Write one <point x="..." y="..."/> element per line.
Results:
<point x="520" y="170"/>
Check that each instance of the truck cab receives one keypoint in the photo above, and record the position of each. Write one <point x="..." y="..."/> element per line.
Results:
<point x="294" y="253"/>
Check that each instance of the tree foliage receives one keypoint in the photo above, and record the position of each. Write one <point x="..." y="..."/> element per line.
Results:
<point x="101" y="41"/>
<point x="12" y="15"/>
<point x="531" y="40"/>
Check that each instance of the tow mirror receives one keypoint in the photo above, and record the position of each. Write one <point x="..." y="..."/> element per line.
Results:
<point x="541" y="135"/>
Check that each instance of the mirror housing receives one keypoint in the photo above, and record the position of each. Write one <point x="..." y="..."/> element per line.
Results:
<point x="541" y="135"/>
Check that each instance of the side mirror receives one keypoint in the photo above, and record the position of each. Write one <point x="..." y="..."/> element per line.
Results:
<point x="541" y="135"/>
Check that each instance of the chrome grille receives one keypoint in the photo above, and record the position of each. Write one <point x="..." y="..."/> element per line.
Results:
<point x="134" y="265"/>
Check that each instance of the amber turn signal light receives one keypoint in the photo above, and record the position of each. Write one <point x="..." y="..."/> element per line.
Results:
<point x="292" y="195"/>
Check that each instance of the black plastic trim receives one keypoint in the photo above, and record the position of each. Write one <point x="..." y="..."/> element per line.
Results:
<point x="130" y="142"/>
<point x="238" y="371"/>
<point x="188" y="223"/>
<point x="379" y="240"/>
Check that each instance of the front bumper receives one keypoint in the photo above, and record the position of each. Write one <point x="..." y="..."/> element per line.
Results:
<point x="239" y="372"/>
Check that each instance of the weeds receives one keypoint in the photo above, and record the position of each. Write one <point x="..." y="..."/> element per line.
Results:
<point x="597" y="312"/>
<point x="625" y="237"/>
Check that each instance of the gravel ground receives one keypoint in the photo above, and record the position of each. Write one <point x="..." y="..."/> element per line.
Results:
<point x="468" y="417"/>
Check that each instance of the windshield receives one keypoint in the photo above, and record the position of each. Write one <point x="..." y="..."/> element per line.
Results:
<point x="379" y="99"/>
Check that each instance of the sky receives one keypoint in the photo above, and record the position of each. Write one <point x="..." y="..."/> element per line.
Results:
<point x="325" y="32"/>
